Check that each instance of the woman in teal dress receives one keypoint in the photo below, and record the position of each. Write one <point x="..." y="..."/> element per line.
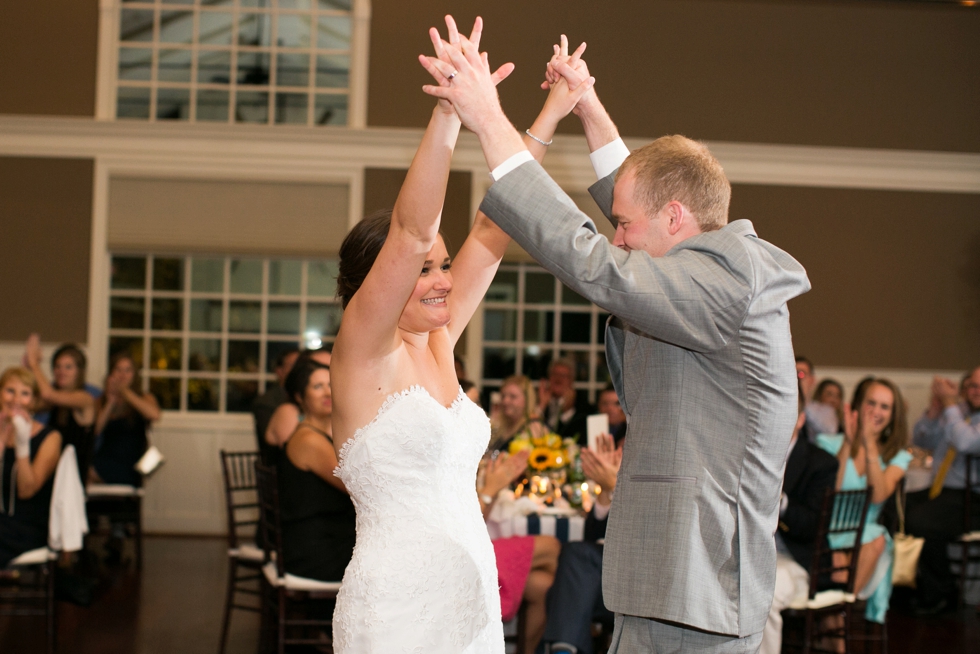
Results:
<point x="872" y="451"/>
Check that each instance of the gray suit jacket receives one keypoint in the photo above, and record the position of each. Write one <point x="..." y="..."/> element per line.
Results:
<point x="700" y="352"/>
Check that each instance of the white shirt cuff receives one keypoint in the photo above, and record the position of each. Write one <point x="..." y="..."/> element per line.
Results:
<point x="609" y="157"/>
<point x="600" y="512"/>
<point x="510" y="164"/>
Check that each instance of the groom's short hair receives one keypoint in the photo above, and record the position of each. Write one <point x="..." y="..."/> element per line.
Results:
<point x="677" y="168"/>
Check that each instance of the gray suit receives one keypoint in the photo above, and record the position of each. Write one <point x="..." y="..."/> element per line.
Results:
<point x="700" y="352"/>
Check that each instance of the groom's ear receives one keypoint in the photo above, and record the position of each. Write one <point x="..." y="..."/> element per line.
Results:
<point x="677" y="216"/>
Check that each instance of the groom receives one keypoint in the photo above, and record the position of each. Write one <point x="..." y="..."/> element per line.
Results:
<point x="699" y="350"/>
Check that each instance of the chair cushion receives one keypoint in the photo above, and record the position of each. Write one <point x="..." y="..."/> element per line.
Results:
<point x="34" y="557"/>
<point x="112" y="490"/>
<point x="247" y="551"/>
<point x="292" y="582"/>
<point x="822" y="600"/>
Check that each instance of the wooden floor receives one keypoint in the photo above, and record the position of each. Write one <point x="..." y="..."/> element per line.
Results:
<point x="175" y="605"/>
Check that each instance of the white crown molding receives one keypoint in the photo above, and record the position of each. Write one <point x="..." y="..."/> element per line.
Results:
<point x="288" y="151"/>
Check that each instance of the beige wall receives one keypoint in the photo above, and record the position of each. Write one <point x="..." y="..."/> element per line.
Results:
<point x="815" y="72"/>
<point x="48" y="60"/>
<point x="45" y="224"/>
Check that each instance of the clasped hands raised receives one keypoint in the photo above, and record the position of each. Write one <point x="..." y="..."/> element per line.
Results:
<point x="464" y="81"/>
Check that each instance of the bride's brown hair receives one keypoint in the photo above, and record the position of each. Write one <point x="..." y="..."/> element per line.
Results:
<point x="358" y="252"/>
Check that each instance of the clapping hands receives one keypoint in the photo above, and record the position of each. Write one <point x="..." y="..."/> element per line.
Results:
<point x="602" y="464"/>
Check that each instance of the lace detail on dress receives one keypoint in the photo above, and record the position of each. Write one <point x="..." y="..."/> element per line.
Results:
<point x="423" y="577"/>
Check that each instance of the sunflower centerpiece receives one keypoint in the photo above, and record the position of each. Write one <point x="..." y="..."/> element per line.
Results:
<point x="548" y="464"/>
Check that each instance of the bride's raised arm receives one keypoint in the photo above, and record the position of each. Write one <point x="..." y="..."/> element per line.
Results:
<point x="479" y="258"/>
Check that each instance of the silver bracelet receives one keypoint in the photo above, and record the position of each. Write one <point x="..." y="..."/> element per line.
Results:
<point x="544" y="143"/>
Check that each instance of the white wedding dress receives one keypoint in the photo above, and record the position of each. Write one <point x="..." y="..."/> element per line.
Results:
<point x="423" y="578"/>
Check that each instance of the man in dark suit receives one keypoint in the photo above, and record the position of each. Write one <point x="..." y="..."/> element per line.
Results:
<point x="565" y="412"/>
<point x="809" y="473"/>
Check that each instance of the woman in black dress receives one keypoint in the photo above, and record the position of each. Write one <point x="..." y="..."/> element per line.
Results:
<point x="30" y="457"/>
<point x="125" y="415"/>
<point x="317" y="514"/>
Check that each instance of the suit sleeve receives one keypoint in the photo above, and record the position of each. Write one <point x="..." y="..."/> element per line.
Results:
<point x="696" y="297"/>
<point x="595" y="528"/>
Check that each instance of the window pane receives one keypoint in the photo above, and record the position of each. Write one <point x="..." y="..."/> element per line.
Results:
<point x="333" y="71"/>
<point x="498" y="362"/>
<point x="253" y="67"/>
<point x="334" y="4"/>
<point x="126" y="312"/>
<point x="167" y="392"/>
<point x="322" y="320"/>
<point x="202" y="394"/>
<point x="243" y="356"/>
<point x="214" y="28"/>
<point x="601" y="369"/>
<point x="293" y="69"/>
<point x="245" y="317"/>
<point x="212" y="105"/>
<point x="568" y="296"/>
<point x="132" y="103"/>
<point x="333" y="32"/>
<point x="539" y="326"/>
<point x="283" y="318"/>
<point x="503" y="288"/>
<point x="168" y="274"/>
<point x="539" y="288"/>
<point x="252" y="107"/>
<point x="129" y="272"/>
<point x="176" y="26"/>
<point x="214" y="67"/>
<point x="254" y="29"/>
<point x="241" y="394"/>
<point x="175" y="66"/>
<point x="246" y="276"/>
<point x="274" y="349"/>
<point x="285" y="277"/>
<point x="500" y="325"/>
<point x="291" y="108"/>
<point x="322" y="278"/>
<point x="132" y="346"/>
<point x="535" y="361"/>
<point x="136" y="25"/>
<point x="165" y="353"/>
<point x="600" y="336"/>
<point x="167" y="314"/>
<point x="173" y="104"/>
<point x="206" y="315"/>
<point x="330" y="110"/>
<point x="293" y="31"/>
<point x="135" y="63"/>
<point x="294" y="4"/>
<point x="204" y="354"/>
<point x="207" y="275"/>
<point x="575" y="327"/>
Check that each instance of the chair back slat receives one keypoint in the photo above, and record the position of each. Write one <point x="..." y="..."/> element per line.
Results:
<point x="842" y="519"/>
<point x="270" y="527"/>
<point x="241" y="503"/>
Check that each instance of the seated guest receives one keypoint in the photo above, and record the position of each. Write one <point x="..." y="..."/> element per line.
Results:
<point x="820" y="418"/>
<point x="469" y="388"/>
<point x="317" y="513"/>
<point x="288" y="415"/>
<point x="516" y="416"/>
<point x="950" y="429"/>
<point x="30" y="457"/>
<point x="564" y="412"/>
<point x="575" y="599"/>
<point x="810" y="472"/>
<point x="125" y="416"/>
<point x="609" y="404"/>
<point x="525" y="564"/>
<point x="70" y="407"/>
<point x="872" y="452"/>
<point x="830" y="393"/>
<point x="265" y="405"/>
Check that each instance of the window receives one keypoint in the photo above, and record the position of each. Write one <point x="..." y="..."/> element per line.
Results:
<point x="234" y="61"/>
<point x="205" y="331"/>
<point x="531" y="318"/>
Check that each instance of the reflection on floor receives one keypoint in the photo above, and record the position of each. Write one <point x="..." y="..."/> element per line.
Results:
<point x="175" y="607"/>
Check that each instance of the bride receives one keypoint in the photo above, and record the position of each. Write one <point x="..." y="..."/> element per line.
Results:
<point x="422" y="577"/>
